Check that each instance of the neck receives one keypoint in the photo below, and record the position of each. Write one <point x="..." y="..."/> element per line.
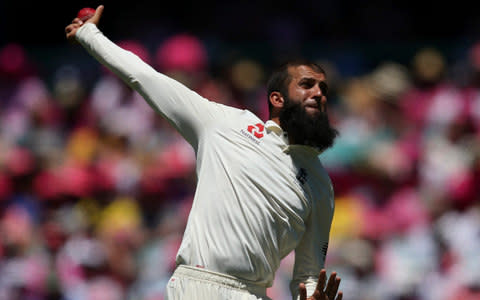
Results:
<point x="276" y="120"/>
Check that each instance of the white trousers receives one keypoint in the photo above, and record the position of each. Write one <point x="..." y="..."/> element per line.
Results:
<point x="189" y="282"/>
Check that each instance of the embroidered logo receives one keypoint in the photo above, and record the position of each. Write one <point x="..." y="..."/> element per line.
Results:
<point x="302" y="175"/>
<point x="256" y="130"/>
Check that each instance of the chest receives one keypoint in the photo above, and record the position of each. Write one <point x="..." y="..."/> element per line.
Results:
<point x="261" y="164"/>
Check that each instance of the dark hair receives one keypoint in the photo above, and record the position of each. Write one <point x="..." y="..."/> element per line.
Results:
<point x="280" y="78"/>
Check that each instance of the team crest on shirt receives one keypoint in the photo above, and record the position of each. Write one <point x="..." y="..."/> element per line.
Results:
<point x="254" y="132"/>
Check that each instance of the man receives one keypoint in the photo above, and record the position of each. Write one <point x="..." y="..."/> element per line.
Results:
<point x="261" y="193"/>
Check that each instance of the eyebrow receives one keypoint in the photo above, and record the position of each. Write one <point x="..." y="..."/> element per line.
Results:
<point x="307" y="79"/>
<point x="322" y="84"/>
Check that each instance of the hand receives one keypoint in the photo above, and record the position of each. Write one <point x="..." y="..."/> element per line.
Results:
<point x="71" y="29"/>
<point x="320" y="294"/>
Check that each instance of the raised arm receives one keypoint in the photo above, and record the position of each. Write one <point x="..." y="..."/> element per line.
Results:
<point x="187" y="111"/>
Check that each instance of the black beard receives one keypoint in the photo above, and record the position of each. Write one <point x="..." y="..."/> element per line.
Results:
<point x="304" y="129"/>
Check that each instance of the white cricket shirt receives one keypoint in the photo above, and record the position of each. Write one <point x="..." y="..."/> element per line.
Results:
<point x="257" y="197"/>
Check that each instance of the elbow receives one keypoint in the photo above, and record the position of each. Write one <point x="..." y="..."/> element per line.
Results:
<point x="136" y="77"/>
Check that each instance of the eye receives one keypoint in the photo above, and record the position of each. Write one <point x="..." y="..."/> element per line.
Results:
<point x="324" y="88"/>
<point x="307" y="83"/>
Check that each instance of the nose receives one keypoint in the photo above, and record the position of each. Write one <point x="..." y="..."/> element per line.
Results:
<point x="317" y="91"/>
<point x="318" y="94"/>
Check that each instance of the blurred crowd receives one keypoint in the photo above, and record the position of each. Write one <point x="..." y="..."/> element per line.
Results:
<point x="95" y="187"/>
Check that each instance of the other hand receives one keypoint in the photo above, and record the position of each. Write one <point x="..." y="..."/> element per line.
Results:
<point x="322" y="293"/>
<point x="71" y="29"/>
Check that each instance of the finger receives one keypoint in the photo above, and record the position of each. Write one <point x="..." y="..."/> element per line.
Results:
<point x="70" y="28"/>
<point x="70" y="31"/>
<point x="318" y="295"/>
<point x="96" y="17"/>
<point x="340" y="296"/>
<point x="71" y="35"/>
<point x="322" y="278"/>
<point x="77" y="21"/>
<point x="334" y="289"/>
<point x="302" y="291"/>
<point x="331" y="286"/>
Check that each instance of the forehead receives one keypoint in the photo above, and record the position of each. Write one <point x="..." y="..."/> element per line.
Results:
<point x="299" y="72"/>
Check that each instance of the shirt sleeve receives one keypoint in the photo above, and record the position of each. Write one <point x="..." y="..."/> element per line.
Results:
<point x="186" y="110"/>
<point x="311" y="252"/>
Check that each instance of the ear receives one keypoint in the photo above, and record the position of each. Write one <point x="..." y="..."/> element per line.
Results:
<point x="276" y="99"/>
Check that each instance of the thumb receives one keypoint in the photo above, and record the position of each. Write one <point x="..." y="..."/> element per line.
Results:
<point x="302" y="291"/>
<point x="96" y="17"/>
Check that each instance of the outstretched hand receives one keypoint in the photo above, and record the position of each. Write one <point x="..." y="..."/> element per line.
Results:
<point x="71" y="29"/>
<point x="322" y="293"/>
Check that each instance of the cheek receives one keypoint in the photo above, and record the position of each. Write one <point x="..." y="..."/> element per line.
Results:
<point x="299" y="95"/>
<point x="324" y="104"/>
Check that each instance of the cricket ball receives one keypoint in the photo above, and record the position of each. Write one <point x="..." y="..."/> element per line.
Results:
<point x="85" y="13"/>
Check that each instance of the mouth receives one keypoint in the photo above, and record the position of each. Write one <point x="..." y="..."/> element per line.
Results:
<point x="312" y="109"/>
<point x="312" y="105"/>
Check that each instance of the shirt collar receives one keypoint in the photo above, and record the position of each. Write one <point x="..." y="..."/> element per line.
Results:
<point x="272" y="126"/>
<point x="275" y="128"/>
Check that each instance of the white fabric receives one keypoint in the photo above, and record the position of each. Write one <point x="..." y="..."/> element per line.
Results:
<point x="195" y="283"/>
<point x="257" y="197"/>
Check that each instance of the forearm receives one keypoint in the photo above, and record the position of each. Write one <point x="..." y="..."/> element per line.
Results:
<point x="310" y="257"/>
<point x="174" y="101"/>
<point x="163" y="93"/>
<point x="123" y="63"/>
